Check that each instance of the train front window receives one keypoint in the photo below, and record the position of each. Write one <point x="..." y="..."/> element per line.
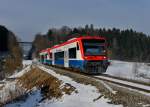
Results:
<point x="93" y="47"/>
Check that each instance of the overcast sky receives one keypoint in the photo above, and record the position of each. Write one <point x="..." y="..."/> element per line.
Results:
<point x="28" y="17"/>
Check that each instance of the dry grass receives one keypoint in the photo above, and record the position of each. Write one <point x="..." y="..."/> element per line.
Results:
<point x="49" y="85"/>
<point x="1" y="87"/>
<point x="68" y="89"/>
<point x="128" y="98"/>
<point x="14" y="60"/>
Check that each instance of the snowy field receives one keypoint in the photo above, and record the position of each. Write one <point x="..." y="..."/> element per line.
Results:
<point x="130" y="70"/>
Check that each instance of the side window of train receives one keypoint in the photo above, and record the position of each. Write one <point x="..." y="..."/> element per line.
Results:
<point x="77" y="46"/>
<point x="59" y="55"/>
<point x="72" y="53"/>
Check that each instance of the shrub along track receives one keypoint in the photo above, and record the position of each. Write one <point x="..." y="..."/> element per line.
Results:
<point x="124" y="95"/>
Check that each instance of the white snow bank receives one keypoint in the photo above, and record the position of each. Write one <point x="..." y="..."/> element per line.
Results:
<point x="10" y="91"/>
<point x="84" y="98"/>
<point x="20" y="73"/>
<point x="130" y="70"/>
<point x="26" y="62"/>
<point x="31" y="101"/>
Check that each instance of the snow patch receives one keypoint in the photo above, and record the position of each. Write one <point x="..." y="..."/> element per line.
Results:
<point x="32" y="100"/>
<point x="130" y="70"/>
<point x="108" y="87"/>
<point x="26" y="62"/>
<point x="19" y="74"/>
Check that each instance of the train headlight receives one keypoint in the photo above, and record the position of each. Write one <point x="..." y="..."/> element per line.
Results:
<point x="104" y="57"/>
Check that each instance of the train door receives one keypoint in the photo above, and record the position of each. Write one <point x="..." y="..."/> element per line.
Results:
<point x="66" y="58"/>
<point x="53" y="58"/>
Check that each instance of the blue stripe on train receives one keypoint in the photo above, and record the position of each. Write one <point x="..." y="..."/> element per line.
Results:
<point x="72" y="63"/>
<point x="49" y="62"/>
<point x="77" y="64"/>
<point x="59" y="62"/>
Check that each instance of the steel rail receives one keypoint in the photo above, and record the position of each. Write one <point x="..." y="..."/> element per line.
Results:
<point x="125" y="83"/>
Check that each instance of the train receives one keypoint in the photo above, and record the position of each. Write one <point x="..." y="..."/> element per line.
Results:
<point x="88" y="54"/>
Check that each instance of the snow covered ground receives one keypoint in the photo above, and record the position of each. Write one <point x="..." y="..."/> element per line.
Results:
<point x="26" y="62"/>
<point x="26" y="68"/>
<point x="10" y="89"/>
<point x="86" y="93"/>
<point x="130" y="70"/>
<point x="85" y="96"/>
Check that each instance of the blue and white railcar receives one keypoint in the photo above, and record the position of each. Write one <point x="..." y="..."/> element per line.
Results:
<point x="45" y="56"/>
<point x="88" y="54"/>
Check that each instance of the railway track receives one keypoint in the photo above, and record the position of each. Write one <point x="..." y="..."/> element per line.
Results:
<point x="134" y="85"/>
<point x="125" y="83"/>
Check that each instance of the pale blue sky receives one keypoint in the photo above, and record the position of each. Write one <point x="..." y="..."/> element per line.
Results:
<point x="28" y="17"/>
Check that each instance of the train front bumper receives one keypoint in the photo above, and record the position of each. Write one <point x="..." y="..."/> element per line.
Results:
<point x="96" y="67"/>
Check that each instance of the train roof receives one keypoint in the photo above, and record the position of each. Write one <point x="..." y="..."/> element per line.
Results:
<point x="77" y="39"/>
<point x="45" y="50"/>
<point x="73" y="40"/>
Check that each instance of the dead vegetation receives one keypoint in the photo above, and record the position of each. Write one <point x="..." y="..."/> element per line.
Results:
<point x="9" y="92"/>
<point x="10" y="53"/>
<point x="36" y="79"/>
<point x="49" y="85"/>
<point x="14" y="60"/>
<point x="128" y="98"/>
<point x="1" y="87"/>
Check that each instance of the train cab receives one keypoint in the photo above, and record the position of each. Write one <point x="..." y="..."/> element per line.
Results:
<point x="94" y="52"/>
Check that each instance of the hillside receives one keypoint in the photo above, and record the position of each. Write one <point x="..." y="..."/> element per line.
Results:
<point x="10" y="52"/>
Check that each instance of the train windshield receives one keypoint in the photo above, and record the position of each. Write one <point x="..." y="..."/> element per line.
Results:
<point x="94" y="47"/>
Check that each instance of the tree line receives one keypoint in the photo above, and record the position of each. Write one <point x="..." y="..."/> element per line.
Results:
<point x="10" y="52"/>
<point x="127" y="45"/>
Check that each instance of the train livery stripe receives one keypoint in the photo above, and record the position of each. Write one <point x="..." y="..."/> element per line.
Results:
<point x="59" y="62"/>
<point x="79" y="64"/>
<point x="49" y="62"/>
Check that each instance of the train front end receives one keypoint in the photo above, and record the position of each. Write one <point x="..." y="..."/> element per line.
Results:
<point x="94" y="52"/>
